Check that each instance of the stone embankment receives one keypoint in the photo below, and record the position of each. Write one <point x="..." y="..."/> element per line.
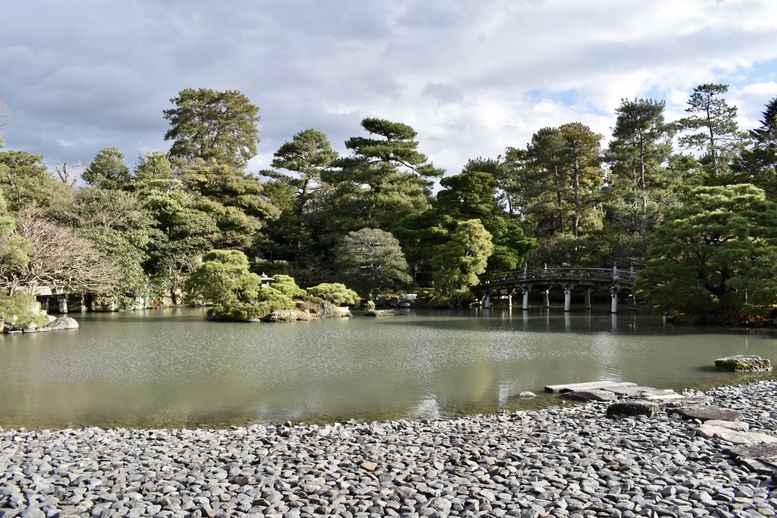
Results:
<point x="566" y="461"/>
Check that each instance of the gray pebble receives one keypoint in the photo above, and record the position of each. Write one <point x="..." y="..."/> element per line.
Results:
<point x="566" y="461"/>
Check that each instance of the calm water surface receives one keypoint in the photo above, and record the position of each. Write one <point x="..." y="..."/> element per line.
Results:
<point x="172" y="368"/>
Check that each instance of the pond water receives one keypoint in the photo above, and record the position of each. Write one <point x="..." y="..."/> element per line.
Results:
<point x="172" y="368"/>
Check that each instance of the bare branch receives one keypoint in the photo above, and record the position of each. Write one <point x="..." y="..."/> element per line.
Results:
<point x="60" y="259"/>
<point x="69" y="174"/>
<point x="5" y="118"/>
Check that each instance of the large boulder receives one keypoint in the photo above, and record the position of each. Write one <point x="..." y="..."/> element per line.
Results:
<point x="63" y="323"/>
<point x="633" y="408"/>
<point x="744" y="363"/>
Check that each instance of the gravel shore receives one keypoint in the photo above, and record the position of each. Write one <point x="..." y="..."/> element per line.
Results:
<point x="567" y="461"/>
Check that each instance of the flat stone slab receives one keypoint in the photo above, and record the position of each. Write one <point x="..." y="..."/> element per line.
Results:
<point x="744" y="363"/>
<point x="680" y="401"/>
<point x="591" y="395"/>
<point x="631" y="391"/>
<point x="591" y="385"/>
<point x="739" y="426"/>
<point x="710" y="413"/>
<point x="758" y="457"/>
<point x="735" y="436"/>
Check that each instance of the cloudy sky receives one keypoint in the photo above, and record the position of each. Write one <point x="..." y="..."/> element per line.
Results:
<point x="472" y="77"/>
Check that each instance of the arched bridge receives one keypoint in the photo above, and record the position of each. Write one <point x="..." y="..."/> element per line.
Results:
<point x="615" y="279"/>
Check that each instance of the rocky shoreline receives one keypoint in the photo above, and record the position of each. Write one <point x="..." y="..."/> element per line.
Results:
<point x="566" y="461"/>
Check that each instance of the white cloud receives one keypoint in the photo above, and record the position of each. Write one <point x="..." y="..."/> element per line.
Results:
<point x="470" y="77"/>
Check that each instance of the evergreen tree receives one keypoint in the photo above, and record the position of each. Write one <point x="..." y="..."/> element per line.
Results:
<point x="715" y="255"/>
<point x="540" y="174"/>
<point x="305" y="157"/>
<point x="758" y="164"/>
<point x="371" y="262"/>
<point x="713" y="130"/>
<point x="154" y="165"/>
<point x="224" y="278"/>
<point x="472" y="195"/>
<point x="460" y="261"/>
<point x="638" y="156"/>
<point x="24" y="179"/>
<point x="120" y="227"/>
<point x="384" y="179"/>
<point x="232" y="198"/>
<point x="582" y="154"/>
<point x="560" y="177"/>
<point x="212" y="125"/>
<point x="107" y="170"/>
<point x="297" y="191"/>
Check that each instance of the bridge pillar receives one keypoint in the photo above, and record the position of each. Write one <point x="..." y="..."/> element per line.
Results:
<point x="546" y="298"/>
<point x="613" y="300"/>
<point x="62" y="303"/>
<point x="525" y="291"/>
<point x="567" y="297"/>
<point x="588" y="298"/>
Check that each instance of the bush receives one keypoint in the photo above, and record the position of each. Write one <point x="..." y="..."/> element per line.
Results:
<point x="237" y="294"/>
<point x="237" y="312"/>
<point x="288" y="286"/>
<point x="267" y="301"/>
<point x="21" y="312"/>
<point x="336" y="293"/>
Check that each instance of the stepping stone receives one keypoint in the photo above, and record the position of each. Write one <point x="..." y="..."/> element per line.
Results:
<point x="633" y="408"/>
<point x="591" y="395"/>
<point x="631" y="392"/>
<point x="739" y="426"/>
<point x="758" y="457"/>
<point x="734" y="436"/>
<point x="681" y="401"/>
<point x="708" y="413"/>
<point x="591" y="385"/>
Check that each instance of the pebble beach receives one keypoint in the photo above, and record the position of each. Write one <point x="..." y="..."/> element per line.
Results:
<point x="569" y="461"/>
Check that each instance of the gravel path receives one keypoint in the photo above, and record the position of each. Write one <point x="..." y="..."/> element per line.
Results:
<point x="569" y="461"/>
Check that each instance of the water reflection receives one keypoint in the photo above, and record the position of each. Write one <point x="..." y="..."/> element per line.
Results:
<point x="172" y="368"/>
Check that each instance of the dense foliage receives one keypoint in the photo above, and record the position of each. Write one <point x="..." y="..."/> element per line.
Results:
<point x="716" y="255"/>
<point x="691" y="199"/>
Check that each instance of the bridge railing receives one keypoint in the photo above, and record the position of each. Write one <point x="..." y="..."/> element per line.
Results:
<point x="613" y="275"/>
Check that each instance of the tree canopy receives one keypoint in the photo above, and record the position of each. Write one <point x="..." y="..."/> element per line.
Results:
<point x="371" y="262"/>
<point x="384" y="179"/>
<point x="711" y="127"/>
<point x="460" y="261"/>
<point x="107" y="170"/>
<point x="715" y="255"/>
<point x="691" y="198"/>
<point x="209" y="124"/>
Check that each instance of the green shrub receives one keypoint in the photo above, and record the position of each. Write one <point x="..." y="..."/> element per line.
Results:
<point x="21" y="311"/>
<point x="336" y="293"/>
<point x="288" y="286"/>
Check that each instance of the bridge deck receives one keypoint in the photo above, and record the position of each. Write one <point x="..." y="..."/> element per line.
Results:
<point x="577" y="276"/>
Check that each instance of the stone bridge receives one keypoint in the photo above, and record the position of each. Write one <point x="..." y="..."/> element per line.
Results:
<point x="614" y="279"/>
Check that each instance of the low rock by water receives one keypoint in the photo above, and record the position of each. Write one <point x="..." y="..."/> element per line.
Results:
<point x="566" y="461"/>
<point x="744" y="363"/>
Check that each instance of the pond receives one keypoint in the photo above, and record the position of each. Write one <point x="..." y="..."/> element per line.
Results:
<point x="172" y="368"/>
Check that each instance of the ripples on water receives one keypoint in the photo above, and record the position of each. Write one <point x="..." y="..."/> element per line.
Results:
<point x="173" y="368"/>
